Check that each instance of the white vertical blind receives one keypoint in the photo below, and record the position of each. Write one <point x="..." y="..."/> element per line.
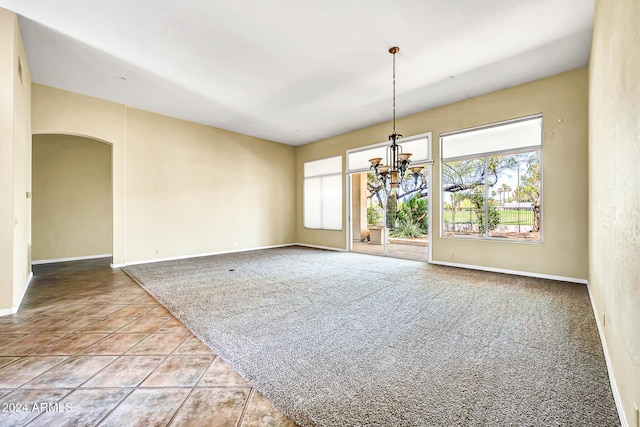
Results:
<point x="358" y="160"/>
<point x="313" y="202"/>
<point x="323" y="194"/>
<point x="328" y="166"/>
<point x="332" y="202"/>
<point x="508" y="136"/>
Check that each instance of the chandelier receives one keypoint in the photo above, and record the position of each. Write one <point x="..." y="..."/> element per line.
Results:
<point x="395" y="173"/>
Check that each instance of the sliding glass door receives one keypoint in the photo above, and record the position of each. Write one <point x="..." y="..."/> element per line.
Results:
<point x="390" y="220"/>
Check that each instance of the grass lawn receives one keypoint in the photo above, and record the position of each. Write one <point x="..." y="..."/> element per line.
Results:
<point x="507" y="217"/>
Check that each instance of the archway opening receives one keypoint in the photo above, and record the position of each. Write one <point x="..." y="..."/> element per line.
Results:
<point x="72" y="207"/>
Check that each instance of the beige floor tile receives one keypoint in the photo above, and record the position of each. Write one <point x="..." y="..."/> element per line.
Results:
<point x="26" y="405"/>
<point x="82" y="408"/>
<point x="7" y="322"/>
<point x="25" y="369"/>
<point x="114" y="344"/>
<point x="159" y="311"/>
<point x="71" y="373"/>
<point x="106" y="310"/>
<point x="28" y="344"/>
<point x="86" y="308"/>
<point x="144" y="299"/>
<point x="178" y="371"/>
<point x="68" y="326"/>
<point x="133" y="310"/>
<point x="67" y="306"/>
<point x="7" y="339"/>
<point x="147" y="407"/>
<point x="69" y="345"/>
<point x="261" y="413"/>
<point x="220" y="374"/>
<point x="212" y="407"/>
<point x="173" y="326"/>
<point x="30" y="326"/>
<point x="106" y="325"/>
<point x="125" y="371"/>
<point x="6" y="360"/>
<point x="147" y="325"/>
<point x="193" y="345"/>
<point x="158" y="344"/>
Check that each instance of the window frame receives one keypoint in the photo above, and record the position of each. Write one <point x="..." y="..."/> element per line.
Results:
<point x="485" y="155"/>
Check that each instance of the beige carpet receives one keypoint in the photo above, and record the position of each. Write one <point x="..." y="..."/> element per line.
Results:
<point x="343" y="339"/>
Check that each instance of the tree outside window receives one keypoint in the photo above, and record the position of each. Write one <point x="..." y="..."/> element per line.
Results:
<point x="495" y="195"/>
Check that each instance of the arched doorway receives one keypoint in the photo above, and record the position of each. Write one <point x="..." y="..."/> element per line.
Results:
<point x="72" y="207"/>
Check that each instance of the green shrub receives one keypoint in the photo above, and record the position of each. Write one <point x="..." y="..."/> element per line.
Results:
<point x="373" y="215"/>
<point x="415" y="210"/>
<point x="407" y="230"/>
<point x="477" y="200"/>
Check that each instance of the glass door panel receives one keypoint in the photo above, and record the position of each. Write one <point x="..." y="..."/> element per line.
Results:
<point x="369" y="234"/>
<point x="392" y="222"/>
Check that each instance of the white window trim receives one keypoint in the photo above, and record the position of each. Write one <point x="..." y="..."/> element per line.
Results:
<point x="484" y="156"/>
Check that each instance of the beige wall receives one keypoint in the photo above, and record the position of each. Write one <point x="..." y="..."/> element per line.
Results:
<point x="15" y="165"/>
<point x="179" y="188"/>
<point x="72" y="206"/>
<point x="614" y="181"/>
<point x="564" y="250"/>
<point x="194" y="189"/>
<point x="57" y="111"/>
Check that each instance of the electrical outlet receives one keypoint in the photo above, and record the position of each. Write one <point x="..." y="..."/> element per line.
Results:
<point x="604" y="320"/>
<point x="157" y="251"/>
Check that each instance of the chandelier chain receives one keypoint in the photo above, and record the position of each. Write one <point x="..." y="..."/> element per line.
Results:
<point x="394" y="92"/>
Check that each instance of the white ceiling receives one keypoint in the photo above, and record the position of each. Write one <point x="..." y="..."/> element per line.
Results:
<point x="296" y="71"/>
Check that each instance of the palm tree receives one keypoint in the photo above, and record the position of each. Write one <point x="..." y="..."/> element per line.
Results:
<point x="505" y="189"/>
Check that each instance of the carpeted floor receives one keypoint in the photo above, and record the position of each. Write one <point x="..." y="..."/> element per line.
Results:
<point x="344" y="339"/>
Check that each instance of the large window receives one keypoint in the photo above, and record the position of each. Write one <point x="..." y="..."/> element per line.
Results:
<point x="323" y="194"/>
<point x="491" y="181"/>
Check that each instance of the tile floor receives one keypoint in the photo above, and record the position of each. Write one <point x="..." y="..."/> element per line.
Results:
<point x="90" y="347"/>
<point x="405" y="251"/>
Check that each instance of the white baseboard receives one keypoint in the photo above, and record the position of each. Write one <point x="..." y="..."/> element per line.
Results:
<point x="8" y="311"/>
<point x="77" y="258"/>
<point x="612" y="380"/>
<point x="14" y="309"/>
<point x="328" y="248"/>
<point x="514" y="272"/>
<point x="149" y="261"/>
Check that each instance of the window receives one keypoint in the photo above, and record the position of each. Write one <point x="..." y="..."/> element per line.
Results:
<point x="418" y="145"/>
<point x="323" y="194"/>
<point x="491" y="181"/>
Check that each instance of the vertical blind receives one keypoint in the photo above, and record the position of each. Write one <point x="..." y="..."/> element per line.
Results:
<point x="323" y="194"/>
<point x="520" y="134"/>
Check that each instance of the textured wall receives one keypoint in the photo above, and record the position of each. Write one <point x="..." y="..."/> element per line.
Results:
<point x="614" y="181"/>
<point x="179" y="188"/>
<point x="15" y="164"/>
<point x="563" y="252"/>
<point x="56" y="111"/>
<point x="195" y="189"/>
